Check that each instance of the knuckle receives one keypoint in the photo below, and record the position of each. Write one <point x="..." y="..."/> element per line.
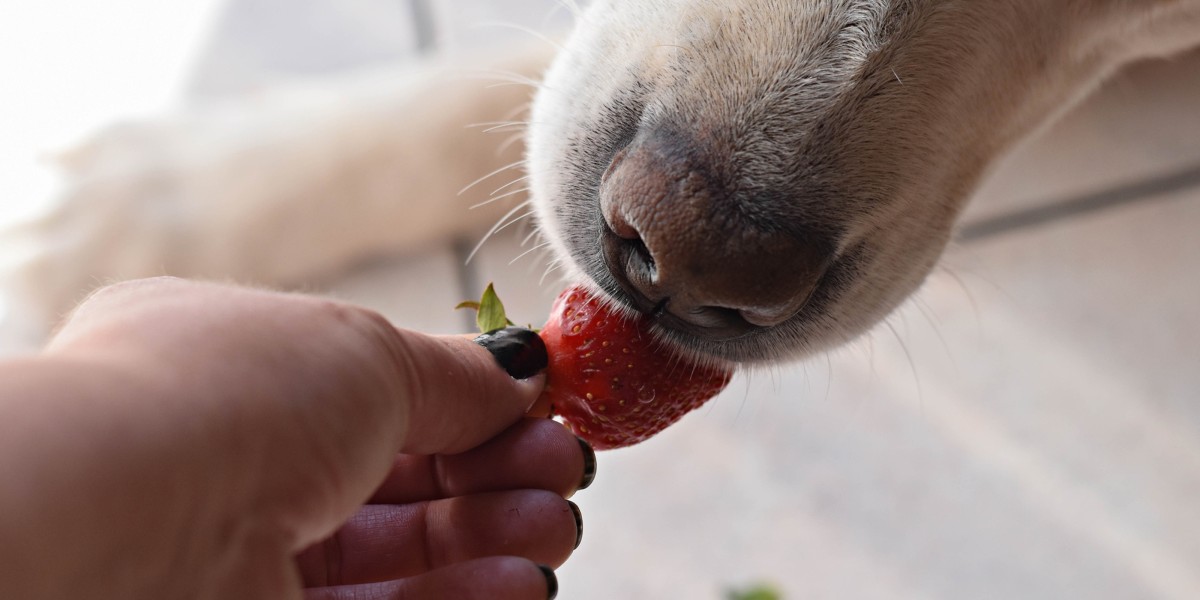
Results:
<point x="364" y="323"/>
<point x="123" y="288"/>
<point x="116" y="294"/>
<point x="381" y="345"/>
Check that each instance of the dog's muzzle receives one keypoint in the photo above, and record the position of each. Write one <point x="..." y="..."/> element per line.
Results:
<point x="677" y="242"/>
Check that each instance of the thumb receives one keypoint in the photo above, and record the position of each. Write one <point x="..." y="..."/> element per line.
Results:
<point x="460" y="392"/>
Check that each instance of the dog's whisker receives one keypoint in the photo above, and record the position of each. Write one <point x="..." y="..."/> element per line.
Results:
<point x="912" y="365"/>
<point x="523" y="29"/>
<point x="571" y="6"/>
<point x="507" y="167"/>
<point x="519" y="129"/>
<point x="496" y="124"/>
<point x="966" y="291"/>
<point x="500" y="78"/>
<point x="534" y="264"/>
<point x="742" y="405"/>
<point x="527" y="226"/>
<point x="509" y="184"/>
<point x="500" y="197"/>
<point x="529" y="251"/>
<point x="508" y="142"/>
<point x="927" y="312"/>
<point x="507" y="127"/>
<point x="548" y="21"/>
<point x="777" y="375"/>
<point x="505" y="76"/>
<point x="870" y="337"/>
<point x="503" y="222"/>
<point x="536" y="232"/>
<point x="521" y="109"/>
<point x="828" y="375"/>
<point x="554" y="265"/>
<point x="504" y="84"/>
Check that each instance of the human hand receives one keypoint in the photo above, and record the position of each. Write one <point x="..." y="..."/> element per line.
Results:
<point x="202" y="441"/>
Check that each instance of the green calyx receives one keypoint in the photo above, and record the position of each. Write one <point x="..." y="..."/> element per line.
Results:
<point x="489" y="311"/>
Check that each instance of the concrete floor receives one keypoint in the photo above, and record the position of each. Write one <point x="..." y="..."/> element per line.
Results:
<point x="1027" y="427"/>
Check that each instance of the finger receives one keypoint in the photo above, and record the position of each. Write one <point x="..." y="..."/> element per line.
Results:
<point x="383" y="542"/>
<point x="460" y="394"/>
<point x="427" y="394"/>
<point x="533" y="454"/>
<point x="497" y="578"/>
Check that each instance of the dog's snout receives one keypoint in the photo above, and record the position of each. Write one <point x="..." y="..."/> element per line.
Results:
<point x="678" y="243"/>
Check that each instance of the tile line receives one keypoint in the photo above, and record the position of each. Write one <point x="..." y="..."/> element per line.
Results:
<point x="1152" y="189"/>
<point x="424" y="27"/>
<point x="469" y="281"/>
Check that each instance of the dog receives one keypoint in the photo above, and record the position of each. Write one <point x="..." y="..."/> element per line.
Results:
<point x="772" y="178"/>
<point x="765" y="178"/>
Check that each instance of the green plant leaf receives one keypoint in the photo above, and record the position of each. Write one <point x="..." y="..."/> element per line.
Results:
<point x="757" y="592"/>
<point x="491" y="312"/>
<point x="471" y="304"/>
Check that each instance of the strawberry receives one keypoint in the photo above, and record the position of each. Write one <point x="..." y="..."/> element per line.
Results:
<point x="610" y="380"/>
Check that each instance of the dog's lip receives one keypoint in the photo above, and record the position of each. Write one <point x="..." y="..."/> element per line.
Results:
<point x="706" y="340"/>
<point x="668" y="320"/>
<point x="729" y="328"/>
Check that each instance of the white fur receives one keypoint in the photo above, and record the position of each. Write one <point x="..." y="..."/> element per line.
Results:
<point x="888" y="111"/>
<point x="287" y="187"/>
<point x="281" y="189"/>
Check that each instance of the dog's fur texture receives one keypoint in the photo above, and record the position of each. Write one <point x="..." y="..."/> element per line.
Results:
<point x="868" y="121"/>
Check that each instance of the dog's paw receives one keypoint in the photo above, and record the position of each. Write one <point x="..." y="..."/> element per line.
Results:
<point x="135" y="200"/>
<point x="110" y="218"/>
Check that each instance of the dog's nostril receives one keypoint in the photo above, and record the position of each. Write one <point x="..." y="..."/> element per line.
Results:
<point x="632" y="267"/>
<point x="643" y="258"/>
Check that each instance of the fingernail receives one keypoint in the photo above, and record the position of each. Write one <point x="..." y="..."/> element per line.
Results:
<point x="520" y="351"/>
<point x="578" y="523"/>
<point x="589" y="464"/>
<point x="551" y="582"/>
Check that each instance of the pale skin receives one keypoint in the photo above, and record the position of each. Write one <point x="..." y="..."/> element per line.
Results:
<point x="188" y="440"/>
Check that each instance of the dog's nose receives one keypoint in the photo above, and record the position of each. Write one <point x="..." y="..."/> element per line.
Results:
<point x="683" y="247"/>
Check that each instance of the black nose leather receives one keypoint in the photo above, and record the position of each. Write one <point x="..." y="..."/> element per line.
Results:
<point x="678" y="242"/>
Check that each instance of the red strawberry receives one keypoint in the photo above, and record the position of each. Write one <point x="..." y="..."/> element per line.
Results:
<point x="610" y="380"/>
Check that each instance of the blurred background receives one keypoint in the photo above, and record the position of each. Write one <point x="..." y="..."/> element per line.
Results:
<point x="1027" y="427"/>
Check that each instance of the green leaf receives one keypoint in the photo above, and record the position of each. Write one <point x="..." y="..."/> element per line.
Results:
<point x="471" y="304"/>
<point x="491" y="312"/>
<point x="758" y="592"/>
